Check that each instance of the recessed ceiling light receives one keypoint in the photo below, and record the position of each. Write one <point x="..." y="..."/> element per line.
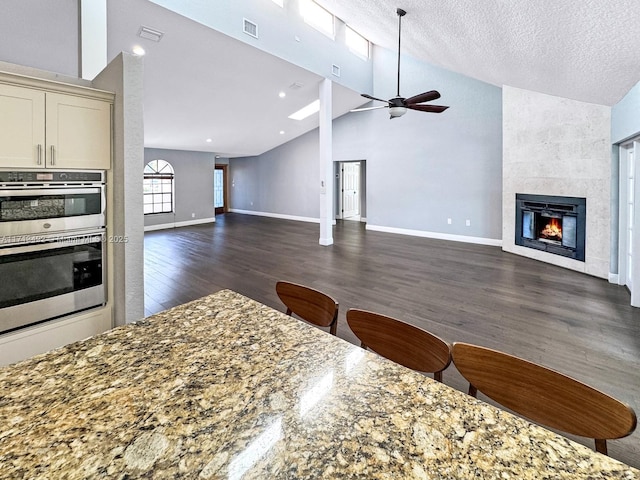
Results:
<point x="209" y="140"/>
<point x="282" y="94"/>
<point x="281" y="132"/>
<point x="307" y="111"/>
<point x="138" y="50"/>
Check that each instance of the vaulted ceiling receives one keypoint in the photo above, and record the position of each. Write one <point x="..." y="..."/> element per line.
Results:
<point x="200" y="84"/>
<point x="584" y="50"/>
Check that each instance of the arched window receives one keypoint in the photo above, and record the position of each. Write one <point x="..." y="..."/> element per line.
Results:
<point x="158" y="187"/>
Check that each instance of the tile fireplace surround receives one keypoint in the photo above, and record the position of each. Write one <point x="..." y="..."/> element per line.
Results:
<point x="558" y="146"/>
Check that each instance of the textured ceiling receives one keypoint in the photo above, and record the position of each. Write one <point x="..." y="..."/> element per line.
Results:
<point x="587" y="50"/>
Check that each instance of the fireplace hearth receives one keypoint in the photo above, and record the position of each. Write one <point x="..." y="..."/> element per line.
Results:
<point x="553" y="224"/>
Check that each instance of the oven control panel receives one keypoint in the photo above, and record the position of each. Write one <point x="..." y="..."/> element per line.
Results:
<point x="50" y="176"/>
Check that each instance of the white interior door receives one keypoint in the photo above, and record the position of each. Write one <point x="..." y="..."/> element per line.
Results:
<point x="350" y="190"/>
<point x="631" y="169"/>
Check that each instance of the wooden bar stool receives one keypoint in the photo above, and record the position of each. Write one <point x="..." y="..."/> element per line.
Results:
<point x="544" y="396"/>
<point x="309" y="304"/>
<point x="400" y="342"/>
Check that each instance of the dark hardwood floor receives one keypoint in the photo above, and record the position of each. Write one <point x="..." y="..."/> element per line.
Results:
<point x="574" y="323"/>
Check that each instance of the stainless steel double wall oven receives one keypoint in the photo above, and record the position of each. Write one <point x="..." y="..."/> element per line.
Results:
<point x="52" y="244"/>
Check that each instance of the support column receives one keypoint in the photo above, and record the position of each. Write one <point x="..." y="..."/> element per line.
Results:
<point x="124" y="76"/>
<point x="326" y="164"/>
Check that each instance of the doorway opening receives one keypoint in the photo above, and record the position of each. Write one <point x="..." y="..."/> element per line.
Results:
<point x="220" y="191"/>
<point x="627" y="240"/>
<point x="350" y="177"/>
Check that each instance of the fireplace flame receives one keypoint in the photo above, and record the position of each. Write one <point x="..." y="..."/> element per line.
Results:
<point x="553" y="229"/>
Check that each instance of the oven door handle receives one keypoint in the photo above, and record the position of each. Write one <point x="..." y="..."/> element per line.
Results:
<point x="36" y="192"/>
<point x="52" y="245"/>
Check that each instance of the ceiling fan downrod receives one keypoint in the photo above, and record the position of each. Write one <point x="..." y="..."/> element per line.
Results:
<point x="401" y="13"/>
<point x="398" y="105"/>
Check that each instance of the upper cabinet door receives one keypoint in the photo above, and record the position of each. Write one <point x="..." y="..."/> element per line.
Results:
<point x="21" y="127"/>
<point x="78" y="132"/>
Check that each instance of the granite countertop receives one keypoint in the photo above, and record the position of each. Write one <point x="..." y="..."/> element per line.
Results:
<point x="225" y="387"/>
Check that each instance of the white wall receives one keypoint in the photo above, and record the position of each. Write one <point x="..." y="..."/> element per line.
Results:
<point x="282" y="32"/>
<point x="557" y="146"/>
<point x="625" y="120"/>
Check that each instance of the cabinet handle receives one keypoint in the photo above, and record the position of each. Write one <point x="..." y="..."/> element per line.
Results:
<point x="39" y="154"/>
<point x="53" y="155"/>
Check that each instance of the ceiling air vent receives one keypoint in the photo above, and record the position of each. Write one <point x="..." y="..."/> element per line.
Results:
<point x="296" y="86"/>
<point x="335" y="70"/>
<point x="250" y="28"/>
<point x="150" y="33"/>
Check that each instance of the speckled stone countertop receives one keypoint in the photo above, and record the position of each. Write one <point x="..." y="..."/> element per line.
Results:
<point x="225" y="387"/>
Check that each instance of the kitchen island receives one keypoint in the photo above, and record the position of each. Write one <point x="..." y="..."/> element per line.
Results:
<point x="225" y="387"/>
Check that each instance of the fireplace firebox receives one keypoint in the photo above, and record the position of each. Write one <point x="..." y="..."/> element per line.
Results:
<point x="552" y="224"/>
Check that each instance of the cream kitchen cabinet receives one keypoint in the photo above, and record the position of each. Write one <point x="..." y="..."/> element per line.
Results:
<point x="49" y="129"/>
<point x="78" y="132"/>
<point x="21" y="127"/>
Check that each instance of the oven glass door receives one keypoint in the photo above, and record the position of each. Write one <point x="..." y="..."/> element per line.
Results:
<point x="16" y="205"/>
<point x="47" y="280"/>
<point x="51" y="210"/>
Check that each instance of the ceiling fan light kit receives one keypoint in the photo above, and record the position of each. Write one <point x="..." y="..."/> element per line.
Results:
<point x="397" y="111"/>
<point x="398" y="105"/>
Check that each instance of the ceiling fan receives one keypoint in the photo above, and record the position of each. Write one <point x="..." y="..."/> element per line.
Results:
<point x="398" y="105"/>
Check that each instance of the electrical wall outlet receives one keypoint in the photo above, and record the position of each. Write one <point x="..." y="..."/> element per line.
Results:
<point x="468" y="223"/>
<point x="193" y="215"/>
<point x="449" y="221"/>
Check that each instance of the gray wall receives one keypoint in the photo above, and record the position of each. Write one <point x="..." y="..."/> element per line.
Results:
<point x="625" y="116"/>
<point x="282" y="181"/>
<point x="193" y="185"/>
<point x="424" y="168"/>
<point x="41" y="34"/>
<point x="421" y="168"/>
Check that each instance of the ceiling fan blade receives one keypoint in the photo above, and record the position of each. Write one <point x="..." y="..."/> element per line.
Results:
<point x="423" y="97"/>
<point x="373" y="98"/>
<point x="368" y="108"/>
<point x="428" y="108"/>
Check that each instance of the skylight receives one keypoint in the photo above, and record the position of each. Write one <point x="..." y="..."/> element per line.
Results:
<point x="317" y="17"/>
<point x="307" y="111"/>
<point x="357" y="43"/>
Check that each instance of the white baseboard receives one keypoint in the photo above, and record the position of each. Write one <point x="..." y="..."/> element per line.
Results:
<point x="613" y="278"/>
<point x="276" y="215"/>
<point x="164" y="226"/>
<point x="378" y="228"/>
<point x="437" y="235"/>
